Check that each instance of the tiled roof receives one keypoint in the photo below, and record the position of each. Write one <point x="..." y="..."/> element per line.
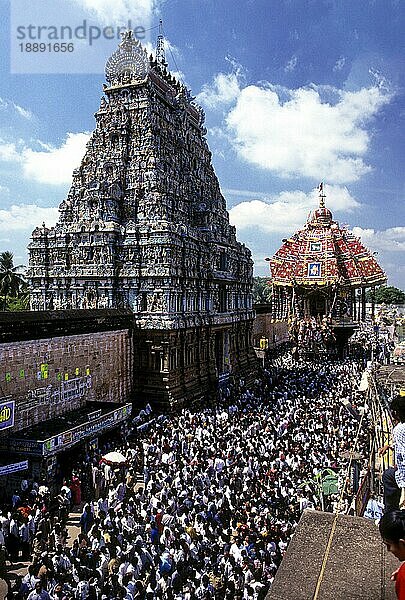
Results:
<point x="323" y="253"/>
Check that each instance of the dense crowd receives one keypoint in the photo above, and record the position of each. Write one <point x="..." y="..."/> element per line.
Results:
<point x="312" y="336"/>
<point x="223" y="491"/>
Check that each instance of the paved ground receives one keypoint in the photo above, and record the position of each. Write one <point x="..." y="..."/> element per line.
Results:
<point x="3" y="589"/>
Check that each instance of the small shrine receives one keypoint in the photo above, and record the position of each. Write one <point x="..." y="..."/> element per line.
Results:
<point x="319" y="278"/>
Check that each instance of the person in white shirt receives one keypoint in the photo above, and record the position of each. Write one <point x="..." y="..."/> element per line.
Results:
<point x="394" y="477"/>
<point x="39" y="593"/>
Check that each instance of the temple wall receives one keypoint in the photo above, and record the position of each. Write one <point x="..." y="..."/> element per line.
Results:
<point x="176" y="368"/>
<point x="264" y="327"/>
<point x="54" y="375"/>
<point x="54" y="362"/>
<point x="49" y="368"/>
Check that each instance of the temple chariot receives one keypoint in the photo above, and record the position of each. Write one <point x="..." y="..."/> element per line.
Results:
<point x="319" y="279"/>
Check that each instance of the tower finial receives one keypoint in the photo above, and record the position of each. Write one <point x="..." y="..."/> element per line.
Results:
<point x="160" y="46"/>
<point x="322" y="196"/>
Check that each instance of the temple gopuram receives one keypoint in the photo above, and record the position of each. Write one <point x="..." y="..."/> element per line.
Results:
<point x="145" y="226"/>
<point x="319" y="279"/>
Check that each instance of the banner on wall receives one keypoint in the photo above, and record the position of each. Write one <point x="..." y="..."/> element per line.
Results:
<point x="7" y="414"/>
<point x="14" y="467"/>
<point x="68" y="438"/>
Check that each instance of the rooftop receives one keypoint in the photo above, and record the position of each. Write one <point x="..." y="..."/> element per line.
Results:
<point x="323" y="253"/>
<point x="357" y="567"/>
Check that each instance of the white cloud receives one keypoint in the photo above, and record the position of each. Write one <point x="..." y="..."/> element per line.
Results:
<point x="51" y="165"/>
<point x="243" y="193"/>
<point x="380" y="79"/>
<point x="171" y="49"/>
<point x="113" y="11"/>
<point x="292" y="63"/>
<point x="172" y="52"/>
<point x="179" y="75"/>
<point x="288" y="211"/>
<point x="224" y="88"/>
<point x="339" y="64"/>
<point x="9" y="104"/>
<point x="55" y="165"/>
<point x="391" y="240"/>
<point x="9" y="151"/>
<point x="27" y="216"/>
<point x="297" y="133"/>
<point x="222" y="91"/>
<point x="27" y="114"/>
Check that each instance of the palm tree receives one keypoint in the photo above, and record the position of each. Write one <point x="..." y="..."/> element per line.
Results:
<point x="11" y="281"/>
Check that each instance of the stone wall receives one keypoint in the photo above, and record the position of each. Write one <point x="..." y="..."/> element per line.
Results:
<point x="54" y="362"/>
<point x="57" y="374"/>
<point x="181" y="367"/>
<point x="264" y="327"/>
<point x="356" y="566"/>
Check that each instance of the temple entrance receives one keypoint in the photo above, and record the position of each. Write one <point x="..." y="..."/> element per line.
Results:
<point x="317" y="304"/>
<point x="222" y="359"/>
<point x="219" y="352"/>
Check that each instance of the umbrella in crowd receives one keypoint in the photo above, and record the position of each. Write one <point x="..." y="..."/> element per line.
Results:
<point x="114" y="458"/>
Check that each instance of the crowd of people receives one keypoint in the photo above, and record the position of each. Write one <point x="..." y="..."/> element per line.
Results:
<point x="222" y="492"/>
<point x="312" y="336"/>
<point x="370" y="342"/>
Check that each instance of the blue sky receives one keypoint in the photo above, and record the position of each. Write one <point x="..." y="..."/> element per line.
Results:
<point x="295" y="92"/>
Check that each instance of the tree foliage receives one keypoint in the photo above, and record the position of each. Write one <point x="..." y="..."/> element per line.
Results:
<point x="387" y="295"/>
<point x="261" y="290"/>
<point x="13" y="288"/>
<point x="21" y="302"/>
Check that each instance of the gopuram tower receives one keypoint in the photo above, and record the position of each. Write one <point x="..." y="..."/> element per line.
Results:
<point x="145" y="227"/>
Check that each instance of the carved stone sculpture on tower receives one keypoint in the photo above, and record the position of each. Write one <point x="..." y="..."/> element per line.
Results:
<point x="144" y="224"/>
